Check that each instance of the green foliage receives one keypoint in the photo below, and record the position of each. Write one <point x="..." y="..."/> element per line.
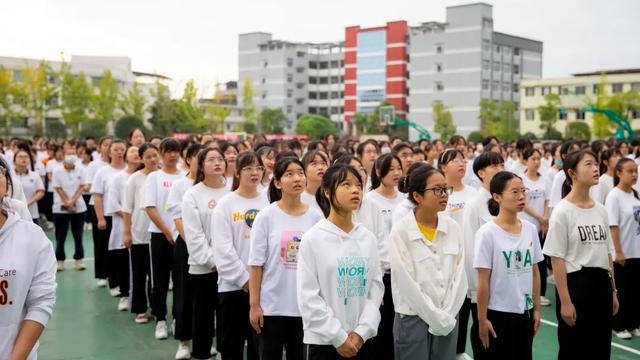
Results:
<point x="272" y="121"/>
<point x="220" y="109"/>
<point x="443" y="121"/>
<point x="475" y="136"/>
<point x="38" y="89"/>
<point x="133" y="103"/>
<point x="56" y="129"/>
<point x="189" y="116"/>
<point x="316" y="126"/>
<point x="369" y="123"/>
<point x="578" y="130"/>
<point x="104" y="103"/>
<point x="601" y="124"/>
<point x="249" y="112"/>
<point x="125" y="124"/>
<point x="549" y="116"/>
<point x="163" y="113"/>
<point x="530" y="136"/>
<point x="93" y="127"/>
<point x="9" y="97"/>
<point x="76" y="95"/>
<point x="488" y="116"/>
<point x="507" y="127"/>
<point x="552" y="134"/>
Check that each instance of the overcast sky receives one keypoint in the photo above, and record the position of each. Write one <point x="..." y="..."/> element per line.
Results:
<point x="198" y="39"/>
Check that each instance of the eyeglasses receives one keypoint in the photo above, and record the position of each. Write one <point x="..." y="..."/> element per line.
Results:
<point x="459" y="161"/>
<point x="251" y="169"/>
<point x="440" y="191"/>
<point x="516" y="192"/>
<point x="362" y="170"/>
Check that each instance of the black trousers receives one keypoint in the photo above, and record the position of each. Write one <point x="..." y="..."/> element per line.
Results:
<point x="205" y="302"/>
<point x="161" y="266"/>
<point x="463" y="325"/>
<point x="543" y="267"/>
<point x="120" y="258"/>
<point x="383" y="342"/>
<point x="280" y="332"/>
<point x="514" y="336"/>
<point x="86" y="198"/>
<point x="101" y="250"/>
<point x="140" y="270"/>
<point x="234" y="327"/>
<point x="328" y="352"/>
<point x="182" y="291"/>
<point x="627" y="277"/>
<point x="590" y="338"/>
<point x="45" y="205"/>
<point x="62" y="222"/>
<point x="474" y="336"/>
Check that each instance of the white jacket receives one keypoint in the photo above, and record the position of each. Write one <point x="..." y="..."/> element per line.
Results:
<point x="339" y="284"/>
<point x="476" y="214"/>
<point x="428" y="278"/>
<point x="370" y="216"/>
<point x="27" y="280"/>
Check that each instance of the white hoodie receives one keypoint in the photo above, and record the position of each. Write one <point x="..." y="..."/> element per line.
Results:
<point x="476" y="213"/>
<point x="339" y="284"/>
<point x="27" y="280"/>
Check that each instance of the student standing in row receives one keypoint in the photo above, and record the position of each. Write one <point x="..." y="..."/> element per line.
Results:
<point x="162" y="229"/>
<point x="429" y="283"/>
<point x="507" y="251"/>
<point x="339" y="283"/>
<point x="136" y="232"/>
<point x="230" y="151"/>
<point x="232" y="222"/>
<point x="268" y="156"/>
<point x="609" y="159"/>
<point x="623" y="207"/>
<point x="31" y="181"/>
<point x="579" y="244"/>
<point x="197" y="208"/>
<point x="275" y="239"/>
<point x="315" y="165"/>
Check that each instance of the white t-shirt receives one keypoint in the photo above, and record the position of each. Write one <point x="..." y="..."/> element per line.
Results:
<point x="69" y="181"/>
<point x="175" y="196"/>
<point x="92" y="169"/>
<point x="605" y="184"/>
<point x="579" y="236"/>
<point x="157" y="187"/>
<point x="310" y="200"/>
<point x="624" y="211"/>
<point x="556" y="189"/>
<point x="518" y="168"/>
<point x="511" y="258"/>
<point x="232" y="220"/>
<point x="457" y="202"/>
<point x="113" y="205"/>
<point x="52" y="166"/>
<point x="539" y="192"/>
<point x="133" y="204"/>
<point x="401" y="210"/>
<point x="275" y="240"/>
<point x="31" y="183"/>
<point x="475" y="215"/>
<point x="102" y="183"/>
<point x="386" y="206"/>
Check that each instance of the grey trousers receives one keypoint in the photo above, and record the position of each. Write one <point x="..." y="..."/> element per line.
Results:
<point x="412" y="340"/>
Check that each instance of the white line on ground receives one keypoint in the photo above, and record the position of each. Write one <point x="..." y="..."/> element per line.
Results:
<point x="622" y="347"/>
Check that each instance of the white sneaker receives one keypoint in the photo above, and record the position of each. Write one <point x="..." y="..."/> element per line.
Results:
<point x="123" y="304"/>
<point x="214" y="351"/>
<point x="635" y="332"/>
<point x="551" y="280"/>
<point x="544" y="301"/>
<point x="183" y="352"/>
<point x="623" y="335"/>
<point x="102" y="282"/>
<point x="141" y="319"/>
<point x="161" y="330"/>
<point x="115" y="292"/>
<point x="173" y="326"/>
<point x="463" y="356"/>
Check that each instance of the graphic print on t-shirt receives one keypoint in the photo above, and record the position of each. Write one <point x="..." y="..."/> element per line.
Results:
<point x="592" y="233"/>
<point x="636" y="217"/>
<point x="289" y="246"/>
<point x="352" y="276"/>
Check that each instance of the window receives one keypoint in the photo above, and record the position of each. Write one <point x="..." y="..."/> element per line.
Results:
<point x="289" y="93"/>
<point x="635" y="114"/>
<point x="313" y="95"/>
<point x="486" y="65"/>
<point x="516" y="51"/>
<point x="530" y="114"/>
<point x="485" y="84"/>
<point x="616" y="88"/>
<point x="596" y="88"/>
<point x="335" y="110"/>
<point x="313" y="110"/>
<point x="289" y="109"/>
<point x="289" y="62"/>
<point x="289" y="77"/>
<point x="563" y="115"/>
<point x="323" y="80"/>
<point x="506" y="68"/>
<point x="334" y="63"/>
<point x="18" y="76"/>
<point x="300" y="101"/>
<point x="334" y="79"/>
<point x="264" y="80"/>
<point x="580" y="90"/>
<point x="300" y="53"/>
<point x="516" y="69"/>
<point x="300" y="85"/>
<point x="313" y="80"/>
<point x="563" y="90"/>
<point x="487" y="23"/>
<point x="324" y="64"/>
<point x="506" y="87"/>
<point x="264" y="95"/>
<point x="439" y="86"/>
<point x="438" y="48"/>
<point x="530" y="91"/>
<point x="497" y="48"/>
<point x="545" y="90"/>
<point x="635" y="86"/>
<point x="300" y="70"/>
<point x="323" y="95"/>
<point x="439" y="68"/>
<point x="52" y="101"/>
<point x="313" y="64"/>
<point x="496" y="66"/>
<point x="335" y="95"/>
<point x="486" y="44"/>
<point x="495" y="85"/>
<point x="516" y="88"/>
<point x="580" y="115"/>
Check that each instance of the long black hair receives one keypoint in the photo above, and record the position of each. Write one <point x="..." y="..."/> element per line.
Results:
<point x="141" y="150"/>
<point x="485" y="160"/>
<point x="5" y="170"/>
<point x="279" y="169"/>
<point x="382" y="164"/>
<point x="334" y="176"/>
<point x="529" y="152"/>
<point x="243" y="160"/>
<point x="606" y="155"/>
<point x="617" y="169"/>
<point x="571" y="163"/>
<point x="416" y="180"/>
<point x="498" y="184"/>
<point x="202" y="155"/>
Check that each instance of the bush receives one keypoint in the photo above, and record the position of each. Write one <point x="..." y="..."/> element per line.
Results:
<point x="475" y="137"/>
<point x="315" y="126"/>
<point x="93" y="128"/>
<point x="578" y="131"/>
<point x="56" y="129"/>
<point x="530" y="136"/>
<point x="127" y="123"/>
<point x="552" y="134"/>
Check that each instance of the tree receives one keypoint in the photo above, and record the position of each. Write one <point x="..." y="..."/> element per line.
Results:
<point x="190" y="117"/>
<point x="9" y="98"/>
<point x="624" y="102"/>
<point x="552" y="134"/>
<point x="56" y="129"/>
<point x="125" y="124"/>
<point x="134" y="103"/>
<point x="507" y="125"/>
<point x="549" y="115"/>
<point x="488" y="116"/>
<point x="220" y="109"/>
<point x="475" y="137"/>
<point x="365" y="124"/>
<point x="76" y="94"/>
<point x="443" y="121"/>
<point x="316" y="126"/>
<point x="272" y="121"/>
<point x="578" y="130"/>
<point x="248" y="108"/>
<point x="601" y="124"/>
<point x="163" y="114"/>
<point x="38" y="89"/>
<point x="103" y="104"/>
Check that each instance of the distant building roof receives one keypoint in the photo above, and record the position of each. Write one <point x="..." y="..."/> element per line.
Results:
<point x="140" y="73"/>
<point x="611" y="72"/>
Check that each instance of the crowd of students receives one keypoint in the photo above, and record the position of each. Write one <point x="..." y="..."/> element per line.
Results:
<point x="330" y="249"/>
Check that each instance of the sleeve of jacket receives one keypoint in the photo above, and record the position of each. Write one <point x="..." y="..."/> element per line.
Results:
<point x="195" y="238"/>
<point x="42" y="292"/>
<point x="370" y="316"/>
<point x="459" y="285"/>
<point x="230" y="267"/>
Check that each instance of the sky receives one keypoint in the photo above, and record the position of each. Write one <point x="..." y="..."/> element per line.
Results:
<point x="198" y="39"/>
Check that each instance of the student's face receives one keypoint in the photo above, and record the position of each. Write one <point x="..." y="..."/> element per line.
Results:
<point x="251" y="175"/>
<point x="214" y="164"/>
<point x="91" y="144"/>
<point x="456" y="168"/>
<point x="406" y="156"/>
<point x="393" y="176"/>
<point x="533" y="163"/>
<point x="104" y="147"/>
<point x="316" y="169"/>
<point x="230" y="155"/>
<point x="613" y="161"/>
<point x="418" y="158"/>
<point x="361" y="169"/>
<point x="624" y="149"/>
<point x="150" y="158"/>
<point x="60" y="155"/>
<point x="269" y="160"/>
<point x="461" y="146"/>
<point x="436" y="194"/>
<point x="133" y="157"/>
<point x="348" y="194"/>
<point x="629" y="173"/>
<point x="432" y="154"/>
<point x="22" y="159"/>
<point x="369" y="155"/>
<point x="156" y="142"/>
<point x="117" y="152"/>
<point x="170" y="158"/>
<point x="587" y="172"/>
<point x="293" y="181"/>
<point x="487" y="173"/>
<point x="137" y="138"/>
<point x="4" y="186"/>
<point x="514" y="196"/>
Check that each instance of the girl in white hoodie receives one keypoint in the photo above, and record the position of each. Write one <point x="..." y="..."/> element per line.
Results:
<point x="232" y="220"/>
<point x="339" y="280"/>
<point x="197" y="208"/>
<point x="428" y="281"/>
<point x="27" y="281"/>
<point x="275" y="239"/>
